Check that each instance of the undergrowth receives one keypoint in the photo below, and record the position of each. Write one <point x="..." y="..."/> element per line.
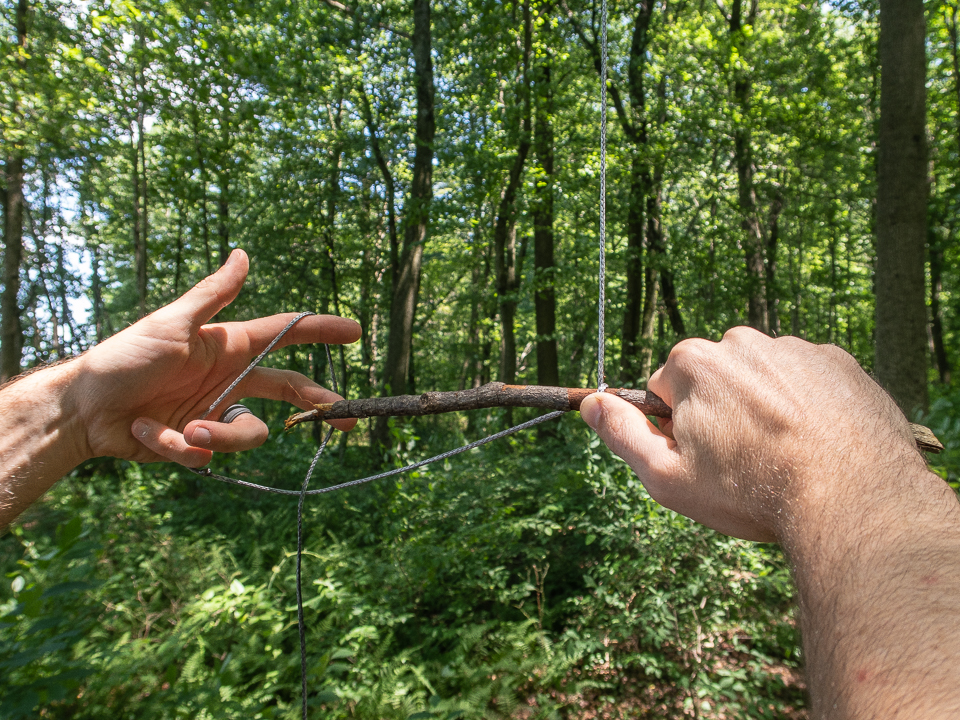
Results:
<point x="531" y="578"/>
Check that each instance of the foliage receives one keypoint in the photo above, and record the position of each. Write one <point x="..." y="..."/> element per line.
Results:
<point x="525" y="580"/>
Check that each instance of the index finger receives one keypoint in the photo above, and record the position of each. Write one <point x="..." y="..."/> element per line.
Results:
<point x="213" y="293"/>
<point x="259" y="333"/>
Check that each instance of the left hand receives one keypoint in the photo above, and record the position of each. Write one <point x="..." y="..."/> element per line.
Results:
<point x="140" y="390"/>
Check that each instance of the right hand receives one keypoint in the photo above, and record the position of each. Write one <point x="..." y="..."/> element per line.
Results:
<point x="764" y="430"/>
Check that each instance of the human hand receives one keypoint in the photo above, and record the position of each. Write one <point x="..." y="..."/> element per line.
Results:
<point x="139" y="393"/>
<point x="761" y="428"/>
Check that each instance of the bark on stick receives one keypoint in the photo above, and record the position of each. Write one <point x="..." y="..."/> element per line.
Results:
<point x="497" y="394"/>
<point x="491" y="395"/>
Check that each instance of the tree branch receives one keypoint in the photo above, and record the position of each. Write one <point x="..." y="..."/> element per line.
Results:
<point x="497" y="394"/>
<point x="491" y="395"/>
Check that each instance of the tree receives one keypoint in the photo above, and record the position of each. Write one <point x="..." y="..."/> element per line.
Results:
<point x="902" y="192"/>
<point x="11" y="334"/>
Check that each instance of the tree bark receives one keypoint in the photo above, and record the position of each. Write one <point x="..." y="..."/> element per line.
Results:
<point x="545" y="297"/>
<point x="417" y="213"/>
<point x="11" y="342"/>
<point x="936" y="315"/>
<point x="902" y="192"/>
<point x="633" y="305"/>
<point x="11" y="333"/>
<point x="140" y="187"/>
<point x="202" y="167"/>
<point x="757" y="309"/>
<point x="495" y="394"/>
<point x="223" y="217"/>
<point x="505" y="231"/>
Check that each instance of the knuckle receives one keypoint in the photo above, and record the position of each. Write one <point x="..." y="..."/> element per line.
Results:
<point x="690" y="354"/>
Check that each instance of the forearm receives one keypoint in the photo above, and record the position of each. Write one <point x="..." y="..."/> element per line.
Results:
<point x="878" y="579"/>
<point x="41" y="437"/>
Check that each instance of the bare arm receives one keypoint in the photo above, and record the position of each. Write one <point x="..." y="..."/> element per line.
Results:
<point x="872" y="535"/>
<point x="136" y="395"/>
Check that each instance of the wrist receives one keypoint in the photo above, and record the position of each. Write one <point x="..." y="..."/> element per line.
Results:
<point x="41" y="435"/>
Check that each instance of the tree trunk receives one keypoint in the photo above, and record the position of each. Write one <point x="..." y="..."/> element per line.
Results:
<point x="545" y="298"/>
<point x="12" y="338"/>
<point x="936" y="318"/>
<point x="140" y="184"/>
<point x="773" y="240"/>
<point x="202" y="167"/>
<point x="633" y="307"/>
<point x="757" y="310"/>
<point x="902" y="191"/>
<point x="223" y="217"/>
<point x="139" y="249"/>
<point x="11" y="334"/>
<point x="505" y="231"/>
<point x="407" y="280"/>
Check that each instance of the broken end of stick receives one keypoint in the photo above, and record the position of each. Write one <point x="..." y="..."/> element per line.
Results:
<point x="315" y="415"/>
<point x="925" y="439"/>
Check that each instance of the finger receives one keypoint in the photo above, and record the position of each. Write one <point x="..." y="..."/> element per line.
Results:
<point x="629" y="434"/>
<point x="168" y="443"/>
<point x="311" y="329"/>
<point x="213" y="293"/>
<point x="291" y="387"/>
<point x="659" y="385"/>
<point x="245" y="433"/>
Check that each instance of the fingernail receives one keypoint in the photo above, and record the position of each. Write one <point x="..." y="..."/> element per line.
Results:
<point x="230" y="260"/>
<point x="139" y="429"/>
<point x="590" y="411"/>
<point x="201" y="437"/>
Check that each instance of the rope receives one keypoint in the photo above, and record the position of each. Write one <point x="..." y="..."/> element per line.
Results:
<point x="602" y="299"/>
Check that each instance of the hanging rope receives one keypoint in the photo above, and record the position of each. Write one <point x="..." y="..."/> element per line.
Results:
<point x="602" y="299"/>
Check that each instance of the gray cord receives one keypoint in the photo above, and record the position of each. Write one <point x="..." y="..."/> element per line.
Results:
<point x="256" y="361"/>
<point x="602" y="300"/>
<point x="206" y="472"/>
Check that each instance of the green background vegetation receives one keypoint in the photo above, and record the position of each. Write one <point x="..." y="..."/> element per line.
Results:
<point x="531" y="578"/>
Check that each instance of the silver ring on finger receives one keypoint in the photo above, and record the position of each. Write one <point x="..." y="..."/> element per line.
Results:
<point x="233" y="412"/>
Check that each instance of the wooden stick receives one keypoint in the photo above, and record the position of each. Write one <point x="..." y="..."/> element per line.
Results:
<point x="497" y="394"/>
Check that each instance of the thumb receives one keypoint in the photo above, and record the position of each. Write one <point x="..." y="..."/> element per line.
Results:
<point x="214" y="292"/>
<point x="629" y="434"/>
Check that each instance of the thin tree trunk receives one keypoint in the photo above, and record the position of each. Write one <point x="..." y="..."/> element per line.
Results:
<point x="178" y="260"/>
<point x="223" y="217"/>
<point x="11" y="342"/>
<point x="651" y="284"/>
<point x="902" y="191"/>
<point x="202" y="167"/>
<point x="389" y="189"/>
<point x="757" y="310"/>
<point x="633" y="306"/>
<point x="936" y="319"/>
<point x="545" y="297"/>
<point x="96" y="290"/>
<point x="407" y="280"/>
<point x="11" y="333"/>
<point x="773" y="240"/>
<point x="505" y="231"/>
